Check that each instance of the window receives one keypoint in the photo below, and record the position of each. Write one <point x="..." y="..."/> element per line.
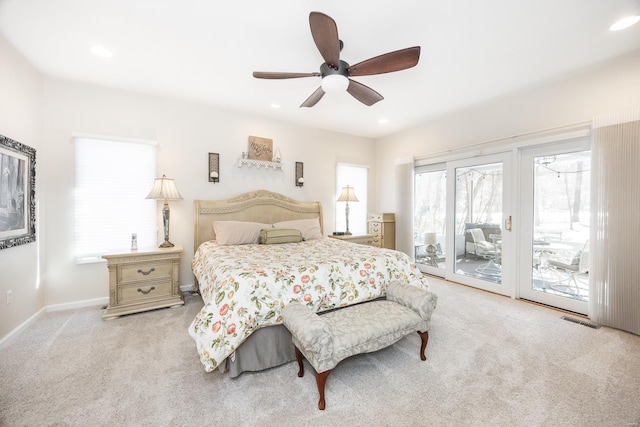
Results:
<point x="354" y="176"/>
<point x="112" y="179"/>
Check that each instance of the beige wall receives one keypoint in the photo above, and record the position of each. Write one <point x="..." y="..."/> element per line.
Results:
<point x="577" y="98"/>
<point x="20" y="120"/>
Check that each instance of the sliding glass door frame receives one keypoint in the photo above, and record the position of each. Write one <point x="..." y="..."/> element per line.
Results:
<point x="507" y="262"/>
<point x="524" y="263"/>
<point x="430" y="264"/>
<point x="517" y="243"/>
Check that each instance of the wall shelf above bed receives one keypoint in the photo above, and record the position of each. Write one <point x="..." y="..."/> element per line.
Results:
<point x="259" y="164"/>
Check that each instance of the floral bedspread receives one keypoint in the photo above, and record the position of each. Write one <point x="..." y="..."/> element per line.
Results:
<point x="245" y="287"/>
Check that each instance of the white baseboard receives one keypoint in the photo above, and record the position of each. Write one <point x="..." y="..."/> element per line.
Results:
<point x="77" y="304"/>
<point x="188" y="288"/>
<point x="20" y="327"/>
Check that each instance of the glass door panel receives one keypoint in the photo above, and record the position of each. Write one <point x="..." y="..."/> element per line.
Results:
<point x="557" y="236"/>
<point x="479" y="219"/>
<point x="479" y="192"/>
<point x="430" y="205"/>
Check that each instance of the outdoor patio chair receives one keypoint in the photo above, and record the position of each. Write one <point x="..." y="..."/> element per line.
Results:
<point x="569" y="269"/>
<point x="477" y="244"/>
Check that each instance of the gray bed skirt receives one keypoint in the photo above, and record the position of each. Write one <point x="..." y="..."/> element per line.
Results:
<point x="265" y="348"/>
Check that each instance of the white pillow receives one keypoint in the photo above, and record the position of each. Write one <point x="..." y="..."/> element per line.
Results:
<point x="238" y="232"/>
<point x="310" y="228"/>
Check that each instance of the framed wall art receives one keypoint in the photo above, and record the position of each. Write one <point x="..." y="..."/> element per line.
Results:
<point x="17" y="193"/>
<point x="260" y="148"/>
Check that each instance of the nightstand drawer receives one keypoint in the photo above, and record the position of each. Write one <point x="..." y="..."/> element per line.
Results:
<point x="143" y="291"/>
<point x="144" y="271"/>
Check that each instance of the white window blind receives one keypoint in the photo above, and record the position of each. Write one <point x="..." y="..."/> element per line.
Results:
<point x="354" y="176"/>
<point x="112" y="179"/>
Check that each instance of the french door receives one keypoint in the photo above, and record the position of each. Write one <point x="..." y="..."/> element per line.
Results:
<point x="464" y="211"/>
<point x="554" y="226"/>
<point x="460" y="217"/>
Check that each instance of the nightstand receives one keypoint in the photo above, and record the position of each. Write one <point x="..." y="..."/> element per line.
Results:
<point x="143" y="280"/>
<point x="362" y="239"/>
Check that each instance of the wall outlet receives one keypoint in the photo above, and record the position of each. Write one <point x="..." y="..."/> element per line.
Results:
<point x="9" y="296"/>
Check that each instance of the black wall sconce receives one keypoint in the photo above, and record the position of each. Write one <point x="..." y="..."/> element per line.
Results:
<point x="214" y="167"/>
<point x="299" y="174"/>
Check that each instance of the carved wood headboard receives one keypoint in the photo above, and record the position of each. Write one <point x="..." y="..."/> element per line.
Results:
<point x="256" y="206"/>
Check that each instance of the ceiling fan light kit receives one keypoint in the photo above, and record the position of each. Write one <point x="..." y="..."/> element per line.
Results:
<point x="335" y="83"/>
<point x="336" y="73"/>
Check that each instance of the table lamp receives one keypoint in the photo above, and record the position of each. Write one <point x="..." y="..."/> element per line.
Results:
<point x="431" y="240"/>
<point x="347" y="195"/>
<point x="165" y="189"/>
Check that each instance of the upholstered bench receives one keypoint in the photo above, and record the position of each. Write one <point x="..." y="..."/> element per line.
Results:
<point x="327" y="339"/>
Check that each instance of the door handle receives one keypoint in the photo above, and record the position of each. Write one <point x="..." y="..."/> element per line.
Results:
<point x="507" y="223"/>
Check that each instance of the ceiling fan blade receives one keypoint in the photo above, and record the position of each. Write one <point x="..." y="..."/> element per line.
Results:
<point x="276" y="75"/>
<point x="388" y="62"/>
<point x="325" y="35"/>
<point x="314" y="98"/>
<point x="363" y="93"/>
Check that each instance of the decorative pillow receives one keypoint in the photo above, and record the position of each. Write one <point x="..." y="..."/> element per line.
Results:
<point x="238" y="232"/>
<point x="310" y="228"/>
<point x="271" y="236"/>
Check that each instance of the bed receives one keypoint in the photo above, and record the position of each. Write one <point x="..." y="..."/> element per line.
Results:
<point x="245" y="284"/>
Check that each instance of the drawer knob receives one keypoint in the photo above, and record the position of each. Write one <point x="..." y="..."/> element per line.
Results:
<point x="146" y="273"/>
<point x="147" y="291"/>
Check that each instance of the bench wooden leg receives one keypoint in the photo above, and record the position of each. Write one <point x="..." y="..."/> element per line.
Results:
<point x="321" y="379"/>
<point x="424" y="336"/>
<point x="299" y="358"/>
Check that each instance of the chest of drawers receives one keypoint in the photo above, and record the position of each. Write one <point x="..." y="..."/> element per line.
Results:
<point x="383" y="227"/>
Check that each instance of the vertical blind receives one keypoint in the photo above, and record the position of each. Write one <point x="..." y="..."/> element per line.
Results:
<point x="614" y="297"/>
<point x="112" y="179"/>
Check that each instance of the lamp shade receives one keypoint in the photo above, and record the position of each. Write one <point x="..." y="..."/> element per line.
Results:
<point x="164" y="189"/>
<point x="348" y="195"/>
<point x="430" y="238"/>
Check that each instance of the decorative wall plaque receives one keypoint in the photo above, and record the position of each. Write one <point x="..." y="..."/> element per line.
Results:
<point x="260" y="148"/>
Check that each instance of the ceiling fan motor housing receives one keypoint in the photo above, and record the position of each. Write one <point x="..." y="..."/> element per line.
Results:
<point x="326" y="70"/>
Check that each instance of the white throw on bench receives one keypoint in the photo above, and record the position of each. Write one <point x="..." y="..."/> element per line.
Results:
<point x="332" y="337"/>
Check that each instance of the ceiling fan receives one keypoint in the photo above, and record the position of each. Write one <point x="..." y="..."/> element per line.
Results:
<point x="336" y="73"/>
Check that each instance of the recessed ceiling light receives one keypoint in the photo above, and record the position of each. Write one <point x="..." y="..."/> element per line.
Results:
<point x="383" y="121"/>
<point x="275" y="106"/>
<point x="101" y="51"/>
<point x="625" y="23"/>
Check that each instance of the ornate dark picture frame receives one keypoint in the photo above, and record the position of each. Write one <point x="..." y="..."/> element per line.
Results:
<point x="17" y="193"/>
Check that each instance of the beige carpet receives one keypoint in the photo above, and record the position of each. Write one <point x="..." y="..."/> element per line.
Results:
<point x="490" y="361"/>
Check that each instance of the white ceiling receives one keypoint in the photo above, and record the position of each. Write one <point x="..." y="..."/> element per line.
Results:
<point x="205" y="50"/>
